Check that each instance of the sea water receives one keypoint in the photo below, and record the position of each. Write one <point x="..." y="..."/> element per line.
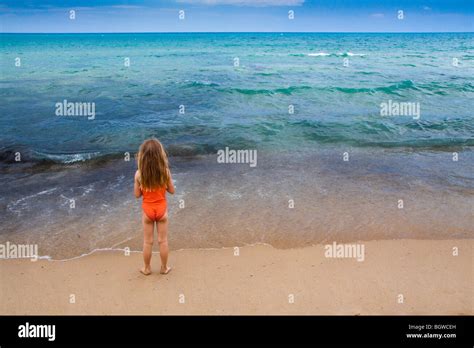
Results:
<point x="332" y="165"/>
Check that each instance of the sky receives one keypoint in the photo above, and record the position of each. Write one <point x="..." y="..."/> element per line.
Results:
<point x="104" y="16"/>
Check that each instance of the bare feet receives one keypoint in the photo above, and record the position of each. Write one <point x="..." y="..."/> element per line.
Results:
<point x="145" y="271"/>
<point x="165" y="270"/>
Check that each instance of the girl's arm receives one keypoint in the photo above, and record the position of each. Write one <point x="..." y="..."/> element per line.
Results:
<point x="170" y="187"/>
<point x="136" y="185"/>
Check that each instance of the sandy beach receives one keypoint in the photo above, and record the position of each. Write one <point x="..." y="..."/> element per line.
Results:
<point x="260" y="280"/>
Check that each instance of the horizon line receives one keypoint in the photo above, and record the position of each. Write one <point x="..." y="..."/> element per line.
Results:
<point x="248" y="32"/>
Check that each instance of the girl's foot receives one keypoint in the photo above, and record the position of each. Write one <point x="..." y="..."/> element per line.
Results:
<point x="145" y="271"/>
<point x="165" y="270"/>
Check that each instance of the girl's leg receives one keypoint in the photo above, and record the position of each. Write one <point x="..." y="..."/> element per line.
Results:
<point x="148" y="227"/>
<point x="162" y="227"/>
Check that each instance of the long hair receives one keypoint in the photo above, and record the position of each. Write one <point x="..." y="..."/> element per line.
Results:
<point x="153" y="165"/>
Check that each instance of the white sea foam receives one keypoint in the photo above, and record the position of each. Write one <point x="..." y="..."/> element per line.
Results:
<point x="70" y="158"/>
<point x="17" y="205"/>
<point x="319" y="54"/>
<point x="340" y="54"/>
<point x="350" y="54"/>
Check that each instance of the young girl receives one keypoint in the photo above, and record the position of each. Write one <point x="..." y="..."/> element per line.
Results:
<point x="152" y="180"/>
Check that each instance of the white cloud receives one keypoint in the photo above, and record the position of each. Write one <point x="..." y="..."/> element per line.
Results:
<point x="126" y="7"/>
<point x="377" y="15"/>
<point x="426" y="8"/>
<point x="255" y="3"/>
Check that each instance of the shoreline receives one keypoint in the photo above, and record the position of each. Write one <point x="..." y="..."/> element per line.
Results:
<point x="310" y="196"/>
<point x="116" y="249"/>
<point x="261" y="280"/>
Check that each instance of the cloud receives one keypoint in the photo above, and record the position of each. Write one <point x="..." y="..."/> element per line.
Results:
<point x="426" y="8"/>
<point x="377" y="15"/>
<point x="126" y="7"/>
<point x="254" y="3"/>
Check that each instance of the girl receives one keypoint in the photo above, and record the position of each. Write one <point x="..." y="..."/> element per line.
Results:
<point x="152" y="180"/>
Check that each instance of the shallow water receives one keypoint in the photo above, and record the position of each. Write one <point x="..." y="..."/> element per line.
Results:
<point x="235" y="204"/>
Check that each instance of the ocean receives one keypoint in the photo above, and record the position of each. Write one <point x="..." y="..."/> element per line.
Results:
<point x="332" y="166"/>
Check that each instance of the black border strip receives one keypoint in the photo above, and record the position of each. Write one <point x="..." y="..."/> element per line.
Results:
<point x="291" y="330"/>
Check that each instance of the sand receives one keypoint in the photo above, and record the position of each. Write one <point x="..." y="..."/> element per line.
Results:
<point x="261" y="280"/>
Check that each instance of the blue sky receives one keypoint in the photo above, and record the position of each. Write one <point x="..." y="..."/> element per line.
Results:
<point x="236" y="15"/>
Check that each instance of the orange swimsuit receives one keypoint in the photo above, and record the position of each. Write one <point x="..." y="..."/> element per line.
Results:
<point x="154" y="203"/>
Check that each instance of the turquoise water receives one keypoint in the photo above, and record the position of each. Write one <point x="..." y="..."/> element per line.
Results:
<point x="335" y="83"/>
<point x="225" y="105"/>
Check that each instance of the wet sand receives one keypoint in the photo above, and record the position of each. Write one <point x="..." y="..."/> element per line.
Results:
<point x="261" y="280"/>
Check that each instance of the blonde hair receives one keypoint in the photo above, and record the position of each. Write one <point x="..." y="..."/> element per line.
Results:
<point x="153" y="165"/>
